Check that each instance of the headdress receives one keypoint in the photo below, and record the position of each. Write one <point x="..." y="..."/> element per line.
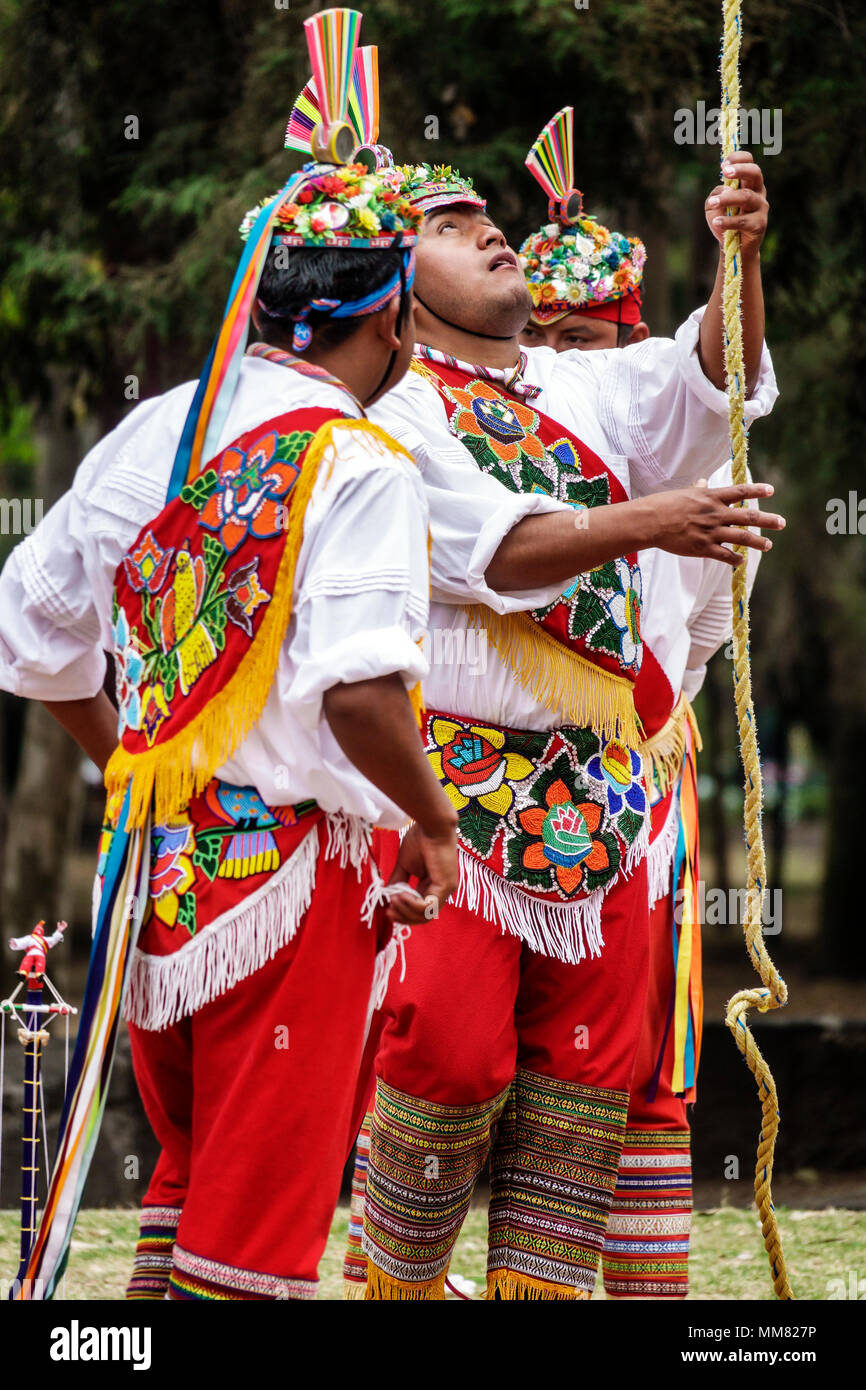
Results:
<point x="352" y="205"/>
<point x="363" y="114"/>
<point x="574" y="263"/>
<point x="429" y="187"/>
<point x="332" y="38"/>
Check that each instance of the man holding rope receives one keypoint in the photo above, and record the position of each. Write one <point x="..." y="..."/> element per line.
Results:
<point x="518" y="998"/>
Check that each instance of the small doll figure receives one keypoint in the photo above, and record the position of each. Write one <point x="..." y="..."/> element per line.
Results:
<point x="36" y="945"/>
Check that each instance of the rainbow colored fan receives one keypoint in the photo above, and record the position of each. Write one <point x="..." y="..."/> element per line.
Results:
<point x="363" y="114"/>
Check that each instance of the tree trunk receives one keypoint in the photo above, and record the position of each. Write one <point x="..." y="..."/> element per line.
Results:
<point x="843" y="940"/>
<point x="46" y="802"/>
<point x="779" y="817"/>
<point x="44" y="824"/>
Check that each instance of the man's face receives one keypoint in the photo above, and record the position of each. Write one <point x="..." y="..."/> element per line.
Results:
<point x="467" y="275"/>
<point x="574" y="331"/>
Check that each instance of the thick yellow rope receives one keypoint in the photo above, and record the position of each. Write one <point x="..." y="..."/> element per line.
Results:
<point x="775" y="992"/>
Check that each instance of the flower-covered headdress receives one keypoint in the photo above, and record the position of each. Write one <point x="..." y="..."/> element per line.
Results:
<point x="332" y="40"/>
<point x="332" y="203"/>
<point x="574" y="264"/>
<point x="430" y="187"/>
<point x="342" y="206"/>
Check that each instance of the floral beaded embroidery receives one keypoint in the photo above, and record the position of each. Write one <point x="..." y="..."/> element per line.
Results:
<point x="601" y="608"/>
<point x="186" y="594"/>
<point x="556" y="813"/>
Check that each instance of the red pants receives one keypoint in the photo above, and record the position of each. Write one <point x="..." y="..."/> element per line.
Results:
<point x="485" y="1034"/>
<point x="253" y="1099"/>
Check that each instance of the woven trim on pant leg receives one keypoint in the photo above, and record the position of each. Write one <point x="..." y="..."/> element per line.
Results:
<point x="153" y="1253"/>
<point x="355" y="1262"/>
<point x="646" y="1249"/>
<point x="424" y="1162"/>
<point x="194" y="1277"/>
<point x="552" y="1175"/>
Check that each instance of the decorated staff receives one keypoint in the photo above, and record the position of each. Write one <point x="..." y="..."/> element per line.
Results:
<point x="33" y="1034"/>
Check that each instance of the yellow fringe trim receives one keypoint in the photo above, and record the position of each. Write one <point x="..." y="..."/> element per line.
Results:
<point x="421" y="369"/>
<point x="511" y="1287"/>
<point x="663" y="754"/>
<point x="353" y="1290"/>
<point x="381" y="1287"/>
<point x="560" y="678"/>
<point x="177" y="770"/>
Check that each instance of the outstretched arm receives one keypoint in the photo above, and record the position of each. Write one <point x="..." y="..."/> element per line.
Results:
<point x="542" y="550"/>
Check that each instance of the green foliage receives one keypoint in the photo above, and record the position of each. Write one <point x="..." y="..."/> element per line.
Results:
<point x="207" y="852"/>
<point x="291" y="446"/>
<point x="119" y="252"/>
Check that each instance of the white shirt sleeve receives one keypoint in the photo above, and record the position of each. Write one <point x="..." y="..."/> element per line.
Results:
<point x="362" y="586"/>
<point x="658" y="409"/>
<point x="55" y="588"/>
<point x="710" y="623"/>
<point x="470" y="512"/>
<point x="50" y="640"/>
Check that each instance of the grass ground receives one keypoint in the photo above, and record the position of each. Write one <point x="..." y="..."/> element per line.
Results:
<point x="727" y="1261"/>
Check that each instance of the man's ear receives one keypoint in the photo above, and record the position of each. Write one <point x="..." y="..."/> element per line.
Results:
<point x="639" y="333"/>
<point x="386" y="323"/>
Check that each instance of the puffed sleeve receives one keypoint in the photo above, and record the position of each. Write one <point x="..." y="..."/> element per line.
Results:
<point x="470" y="512"/>
<point x="658" y="409"/>
<point x="50" y="639"/>
<point x="710" y="623"/>
<point x="362" y="585"/>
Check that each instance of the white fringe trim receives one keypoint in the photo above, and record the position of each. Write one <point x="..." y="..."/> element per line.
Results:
<point x="660" y="858"/>
<point x="636" y="852"/>
<point x="163" y="989"/>
<point x="349" y="837"/>
<point x="386" y="959"/>
<point x="565" y="931"/>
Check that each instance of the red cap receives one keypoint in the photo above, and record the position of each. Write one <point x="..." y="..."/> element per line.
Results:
<point x="626" y="309"/>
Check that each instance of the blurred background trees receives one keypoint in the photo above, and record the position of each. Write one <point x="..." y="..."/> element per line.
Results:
<point x="136" y="133"/>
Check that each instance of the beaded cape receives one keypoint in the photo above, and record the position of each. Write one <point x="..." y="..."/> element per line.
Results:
<point x="581" y="653"/>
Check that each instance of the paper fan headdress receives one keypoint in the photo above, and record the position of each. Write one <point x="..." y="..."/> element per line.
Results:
<point x="332" y="40"/>
<point x="574" y="264"/>
<point x="303" y="130"/>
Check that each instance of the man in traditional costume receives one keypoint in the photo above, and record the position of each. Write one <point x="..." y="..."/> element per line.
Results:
<point x="254" y="552"/>
<point x="512" y="1018"/>
<point x="685" y="618"/>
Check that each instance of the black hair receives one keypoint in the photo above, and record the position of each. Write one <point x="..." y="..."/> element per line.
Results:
<point x="623" y="333"/>
<point x="293" y="275"/>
